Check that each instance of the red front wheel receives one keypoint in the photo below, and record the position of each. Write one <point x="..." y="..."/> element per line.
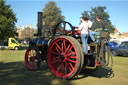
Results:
<point x="32" y="59"/>
<point x="64" y="57"/>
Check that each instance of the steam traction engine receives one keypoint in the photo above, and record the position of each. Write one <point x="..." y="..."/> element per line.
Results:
<point x="62" y="49"/>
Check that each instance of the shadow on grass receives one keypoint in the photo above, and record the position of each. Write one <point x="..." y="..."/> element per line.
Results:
<point x="99" y="72"/>
<point x="16" y="73"/>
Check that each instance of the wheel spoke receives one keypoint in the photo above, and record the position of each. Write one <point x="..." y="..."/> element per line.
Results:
<point x="59" y="68"/>
<point x="67" y="49"/>
<point x="57" y="50"/>
<point x="64" y="45"/>
<point x="64" y="25"/>
<point x="34" y="53"/>
<point x="58" y="47"/>
<point x="71" y="65"/>
<point x="53" y="62"/>
<point x="71" y="60"/>
<point x="70" y="53"/>
<point x="68" y="66"/>
<point x="33" y="58"/>
<point x="58" y="63"/>
<point x="30" y="53"/>
<point x="29" y="60"/>
<point x="72" y="57"/>
<point x="70" y="49"/>
<point x="33" y="64"/>
<point x="29" y="57"/>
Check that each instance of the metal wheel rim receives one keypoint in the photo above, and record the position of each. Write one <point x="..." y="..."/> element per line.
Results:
<point x="31" y="61"/>
<point x="62" y="68"/>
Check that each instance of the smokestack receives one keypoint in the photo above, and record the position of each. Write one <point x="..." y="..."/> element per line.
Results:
<point x="40" y="23"/>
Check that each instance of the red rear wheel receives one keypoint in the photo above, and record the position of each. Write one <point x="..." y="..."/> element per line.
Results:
<point x="64" y="57"/>
<point x="32" y="59"/>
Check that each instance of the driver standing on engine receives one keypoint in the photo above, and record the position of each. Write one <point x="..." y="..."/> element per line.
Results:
<point x="84" y="33"/>
<point x="100" y="26"/>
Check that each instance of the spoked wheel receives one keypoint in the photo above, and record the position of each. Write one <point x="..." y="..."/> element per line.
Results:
<point x="105" y="56"/>
<point x="32" y="59"/>
<point x="62" y="28"/>
<point x="65" y="58"/>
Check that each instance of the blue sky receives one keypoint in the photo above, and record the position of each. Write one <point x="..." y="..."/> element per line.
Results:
<point x="26" y="10"/>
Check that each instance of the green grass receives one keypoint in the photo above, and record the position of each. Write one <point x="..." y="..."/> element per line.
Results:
<point x="14" y="72"/>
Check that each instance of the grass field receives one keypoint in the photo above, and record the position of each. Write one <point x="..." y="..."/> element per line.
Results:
<point x="14" y="72"/>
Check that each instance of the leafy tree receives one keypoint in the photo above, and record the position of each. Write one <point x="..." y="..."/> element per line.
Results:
<point x="7" y="21"/>
<point x="51" y="15"/>
<point x="100" y="11"/>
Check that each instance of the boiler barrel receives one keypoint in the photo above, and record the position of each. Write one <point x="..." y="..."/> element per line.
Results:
<point x="42" y="42"/>
<point x="39" y="42"/>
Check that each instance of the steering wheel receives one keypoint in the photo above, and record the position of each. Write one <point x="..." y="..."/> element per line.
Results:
<point x="60" y="29"/>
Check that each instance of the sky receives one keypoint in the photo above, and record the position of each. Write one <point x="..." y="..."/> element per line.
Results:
<point x="26" y="10"/>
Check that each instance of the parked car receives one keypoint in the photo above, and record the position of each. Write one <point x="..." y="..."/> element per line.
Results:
<point x="113" y="44"/>
<point x="122" y="49"/>
<point x="11" y="43"/>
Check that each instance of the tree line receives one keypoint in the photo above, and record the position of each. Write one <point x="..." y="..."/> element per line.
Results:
<point x="52" y="14"/>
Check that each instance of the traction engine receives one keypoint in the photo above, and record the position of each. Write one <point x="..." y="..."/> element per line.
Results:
<point x="62" y="50"/>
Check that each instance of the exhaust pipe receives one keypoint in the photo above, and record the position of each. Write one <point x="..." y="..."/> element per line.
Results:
<point x="39" y="24"/>
<point x="40" y="15"/>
